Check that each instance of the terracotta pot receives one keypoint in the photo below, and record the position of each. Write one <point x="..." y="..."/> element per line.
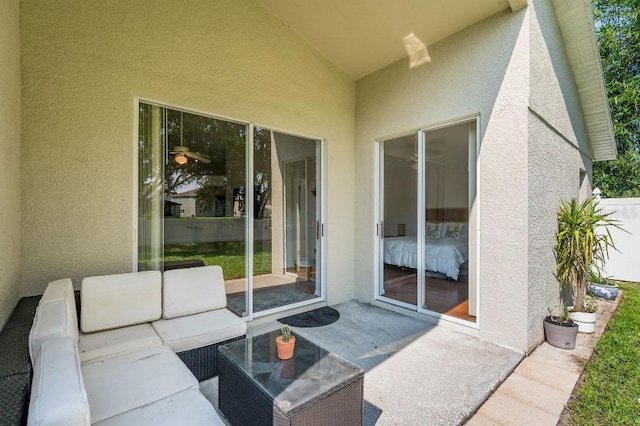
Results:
<point x="285" y="349"/>
<point x="586" y="321"/>
<point x="560" y="335"/>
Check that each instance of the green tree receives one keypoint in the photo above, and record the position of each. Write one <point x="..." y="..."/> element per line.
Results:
<point x="618" y="29"/>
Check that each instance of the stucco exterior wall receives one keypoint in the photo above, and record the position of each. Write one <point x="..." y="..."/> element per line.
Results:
<point x="553" y="176"/>
<point x="83" y="64"/>
<point x="558" y="151"/>
<point x="10" y="113"/>
<point x="482" y="70"/>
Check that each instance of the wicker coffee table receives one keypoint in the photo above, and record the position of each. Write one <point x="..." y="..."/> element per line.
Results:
<point x="315" y="387"/>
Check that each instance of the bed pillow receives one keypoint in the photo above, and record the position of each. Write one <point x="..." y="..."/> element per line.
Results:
<point x="434" y="229"/>
<point x="454" y="230"/>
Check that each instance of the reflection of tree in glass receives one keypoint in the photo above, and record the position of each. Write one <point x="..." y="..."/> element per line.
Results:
<point x="262" y="172"/>
<point x="222" y="141"/>
<point x="150" y="165"/>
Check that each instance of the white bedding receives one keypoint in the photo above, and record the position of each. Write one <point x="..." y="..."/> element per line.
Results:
<point x="443" y="255"/>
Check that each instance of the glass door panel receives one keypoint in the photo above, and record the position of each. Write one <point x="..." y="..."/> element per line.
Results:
<point x="192" y="195"/>
<point x="151" y="137"/>
<point x="446" y="199"/>
<point x="193" y="204"/>
<point x="286" y="213"/>
<point x="399" y="227"/>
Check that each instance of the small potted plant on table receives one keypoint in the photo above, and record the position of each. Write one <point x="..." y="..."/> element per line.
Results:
<point x="285" y="343"/>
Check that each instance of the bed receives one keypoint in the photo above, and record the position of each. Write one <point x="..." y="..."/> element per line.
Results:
<point x="441" y="255"/>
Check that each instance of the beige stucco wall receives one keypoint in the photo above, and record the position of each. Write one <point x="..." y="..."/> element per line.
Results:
<point x="10" y="112"/>
<point x="83" y="64"/>
<point x="481" y="70"/>
<point x="513" y="71"/>
<point x="558" y="151"/>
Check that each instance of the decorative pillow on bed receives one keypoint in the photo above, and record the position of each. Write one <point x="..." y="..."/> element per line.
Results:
<point x="454" y="229"/>
<point x="434" y="229"/>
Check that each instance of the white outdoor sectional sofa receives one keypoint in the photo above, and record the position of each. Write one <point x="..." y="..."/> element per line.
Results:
<point x="142" y="335"/>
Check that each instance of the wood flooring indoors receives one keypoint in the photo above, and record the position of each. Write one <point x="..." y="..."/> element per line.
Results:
<point x="443" y="295"/>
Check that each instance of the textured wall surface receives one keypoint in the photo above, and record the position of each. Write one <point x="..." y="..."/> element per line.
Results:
<point x="558" y="151"/>
<point x="513" y="71"/>
<point x="83" y="64"/>
<point x="10" y="107"/>
<point x="481" y="70"/>
<point x="553" y="176"/>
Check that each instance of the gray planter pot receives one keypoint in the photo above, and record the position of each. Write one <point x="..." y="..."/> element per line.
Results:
<point x="561" y="336"/>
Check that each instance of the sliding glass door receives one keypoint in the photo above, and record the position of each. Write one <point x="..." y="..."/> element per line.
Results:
<point x="287" y="210"/>
<point x="213" y="191"/>
<point x="427" y="210"/>
<point x="399" y="166"/>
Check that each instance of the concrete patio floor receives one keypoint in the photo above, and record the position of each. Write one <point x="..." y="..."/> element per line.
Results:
<point x="415" y="373"/>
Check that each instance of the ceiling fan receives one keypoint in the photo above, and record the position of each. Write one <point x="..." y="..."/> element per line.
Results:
<point x="182" y="153"/>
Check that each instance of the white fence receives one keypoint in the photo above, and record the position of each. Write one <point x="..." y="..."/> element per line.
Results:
<point x="624" y="263"/>
<point x="185" y="230"/>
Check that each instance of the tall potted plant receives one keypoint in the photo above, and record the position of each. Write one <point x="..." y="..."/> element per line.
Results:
<point x="582" y="245"/>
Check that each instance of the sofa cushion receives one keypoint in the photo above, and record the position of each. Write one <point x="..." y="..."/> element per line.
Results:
<point x="59" y="289"/>
<point x="58" y="395"/>
<point x="189" y="407"/>
<point x="53" y="319"/>
<point x="122" y="383"/>
<point x="117" y="341"/>
<point x="192" y="290"/>
<point x="112" y="301"/>
<point x="203" y="329"/>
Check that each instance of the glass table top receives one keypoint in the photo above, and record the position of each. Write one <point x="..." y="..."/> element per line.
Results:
<point x="312" y="372"/>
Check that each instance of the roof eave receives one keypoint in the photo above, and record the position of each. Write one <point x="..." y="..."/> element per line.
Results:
<point x="578" y="32"/>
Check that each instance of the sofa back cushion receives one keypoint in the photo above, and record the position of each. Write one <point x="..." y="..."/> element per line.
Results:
<point x="54" y="318"/>
<point x="58" y="396"/>
<point x="192" y="290"/>
<point x="112" y="301"/>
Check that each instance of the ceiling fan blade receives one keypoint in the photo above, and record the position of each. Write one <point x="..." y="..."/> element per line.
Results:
<point x="198" y="157"/>
<point x="179" y="148"/>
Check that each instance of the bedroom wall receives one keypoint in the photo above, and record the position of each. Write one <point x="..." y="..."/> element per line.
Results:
<point x="480" y="70"/>
<point x="457" y="188"/>
<point x="10" y="112"/>
<point x="558" y="151"/>
<point x="83" y="64"/>
<point x="400" y="187"/>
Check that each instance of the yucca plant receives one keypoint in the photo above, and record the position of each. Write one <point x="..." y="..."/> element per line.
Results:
<point x="582" y="245"/>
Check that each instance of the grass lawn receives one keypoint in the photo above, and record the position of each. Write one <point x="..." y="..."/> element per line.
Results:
<point x="228" y="254"/>
<point x="611" y="389"/>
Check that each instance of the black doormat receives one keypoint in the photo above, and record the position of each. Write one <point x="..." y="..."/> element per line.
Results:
<point x="316" y="318"/>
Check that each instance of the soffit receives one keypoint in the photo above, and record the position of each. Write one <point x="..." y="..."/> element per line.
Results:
<point x="576" y="25"/>
<point x="363" y="36"/>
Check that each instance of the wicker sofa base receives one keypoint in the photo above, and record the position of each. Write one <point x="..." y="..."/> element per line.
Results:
<point x="15" y="365"/>
<point x="203" y="362"/>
